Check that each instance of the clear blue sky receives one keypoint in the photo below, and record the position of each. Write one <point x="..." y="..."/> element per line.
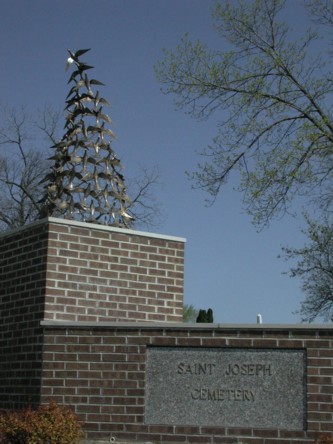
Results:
<point x="229" y="266"/>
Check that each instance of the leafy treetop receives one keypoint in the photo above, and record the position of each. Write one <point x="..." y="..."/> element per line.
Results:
<point x="273" y="96"/>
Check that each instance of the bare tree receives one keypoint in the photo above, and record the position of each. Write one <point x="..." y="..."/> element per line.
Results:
<point x="25" y="139"/>
<point x="146" y="208"/>
<point x="23" y="163"/>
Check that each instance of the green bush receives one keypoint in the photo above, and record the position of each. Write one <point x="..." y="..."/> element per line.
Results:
<point x="205" y="316"/>
<point x="325" y="439"/>
<point x="49" y="424"/>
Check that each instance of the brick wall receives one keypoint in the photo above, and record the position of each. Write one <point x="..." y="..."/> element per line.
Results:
<point x="67" y="289"/>
<point x="70" y="271"/>
<point x="98" y="273"/>
<point x="22" y="288"/>
<point x="100" y="370"/>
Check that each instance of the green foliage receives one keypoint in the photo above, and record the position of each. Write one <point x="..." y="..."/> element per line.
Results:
<point x="202" y="316"/>
<point x="315" y="268"/>
<point x="272" y="96"/>
<point x="210" y="317"/>
<point x="205" y="316"/>
<point x="49" y="424"/>
<point x="190" y="313"/>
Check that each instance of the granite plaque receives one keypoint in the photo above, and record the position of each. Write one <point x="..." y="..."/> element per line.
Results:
<point x="259" y="388"/>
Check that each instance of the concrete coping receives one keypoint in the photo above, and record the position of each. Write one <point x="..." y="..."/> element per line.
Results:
<point x="92" y="226"/>
<point x="184" y="326"/>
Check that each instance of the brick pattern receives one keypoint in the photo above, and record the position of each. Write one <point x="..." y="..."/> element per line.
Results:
<point x="22" y="288"/>
<point x="105" y="274"/>
<point x="64" y="270"/>
<point x="100" y="371"/>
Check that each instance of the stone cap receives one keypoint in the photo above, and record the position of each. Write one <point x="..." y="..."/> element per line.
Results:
<point x="185" y="325"/>
<point x="91" y="226"/>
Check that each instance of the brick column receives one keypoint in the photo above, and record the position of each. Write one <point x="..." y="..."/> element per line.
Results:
<point x="23" y="261"/>
<point x="63" y="270"/>
<point x="98" y="273"/>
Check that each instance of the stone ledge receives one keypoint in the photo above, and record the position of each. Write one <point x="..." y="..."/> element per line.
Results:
<point x="88" y="225"/>
<point x="107" y="441"/>
<point x="114" y="440"/>
<point x="184" y="325"/>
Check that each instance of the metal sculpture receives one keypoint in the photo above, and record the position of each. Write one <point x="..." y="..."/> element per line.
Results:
<point x="85" y="182"/>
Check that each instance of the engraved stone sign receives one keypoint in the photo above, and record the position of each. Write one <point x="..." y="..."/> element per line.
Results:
<point x="259" y="388"/>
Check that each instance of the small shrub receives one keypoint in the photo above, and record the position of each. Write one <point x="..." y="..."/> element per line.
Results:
<point x="49" y="424"/>
<point x="325" y="439"/>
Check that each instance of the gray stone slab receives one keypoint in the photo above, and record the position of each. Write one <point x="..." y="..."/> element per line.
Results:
<point x="259" y="388"/>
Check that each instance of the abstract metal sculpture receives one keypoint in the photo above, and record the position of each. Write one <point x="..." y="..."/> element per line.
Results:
<point x="85" y="183"/>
